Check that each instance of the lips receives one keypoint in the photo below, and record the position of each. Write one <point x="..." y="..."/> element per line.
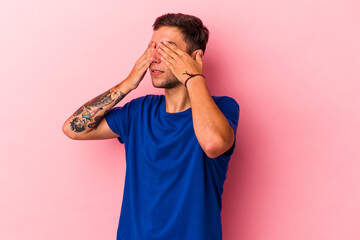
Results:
<point x="156" y="70"/>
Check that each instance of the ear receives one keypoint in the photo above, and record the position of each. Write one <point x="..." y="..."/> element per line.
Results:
<point x="197" y="51"/>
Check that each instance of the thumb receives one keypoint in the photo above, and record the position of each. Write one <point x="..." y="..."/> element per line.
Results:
<point x="150" y="48"/>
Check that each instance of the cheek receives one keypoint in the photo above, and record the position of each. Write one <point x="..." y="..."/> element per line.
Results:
<point x="170" y="75"/>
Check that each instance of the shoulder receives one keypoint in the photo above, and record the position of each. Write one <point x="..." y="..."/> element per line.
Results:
<point x="134" y="106"/>
<point x="135" y="103"/>
<point x="229" y="107"/>
<point x="147" y="100"/>
<point x="226" y="101"/>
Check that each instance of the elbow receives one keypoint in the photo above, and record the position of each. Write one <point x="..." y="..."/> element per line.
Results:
<point x="211" y="153"/>
<point x="217" y="146"/>
<point x="67" y="131"/>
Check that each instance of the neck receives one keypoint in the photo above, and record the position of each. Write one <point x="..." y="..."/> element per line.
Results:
<point x="177" y="99"/>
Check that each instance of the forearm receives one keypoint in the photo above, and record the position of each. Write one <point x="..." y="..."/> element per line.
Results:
<point x="89" y="115"/>
<point x="211" y="127"/>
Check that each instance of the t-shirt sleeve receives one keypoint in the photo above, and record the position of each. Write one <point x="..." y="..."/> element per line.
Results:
<point x="231" y="110"/>
<point x="119" y="121"/>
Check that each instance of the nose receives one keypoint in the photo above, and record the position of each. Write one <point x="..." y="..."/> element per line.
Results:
<point x="155" y="56"/>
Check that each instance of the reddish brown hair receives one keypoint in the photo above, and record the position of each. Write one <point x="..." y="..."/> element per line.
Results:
<point x="195" y="34"/>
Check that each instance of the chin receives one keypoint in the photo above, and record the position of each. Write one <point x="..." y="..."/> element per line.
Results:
<point x="167" y="84"/>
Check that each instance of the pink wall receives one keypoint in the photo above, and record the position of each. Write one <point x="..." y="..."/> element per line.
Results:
<point x="293" y="66"/>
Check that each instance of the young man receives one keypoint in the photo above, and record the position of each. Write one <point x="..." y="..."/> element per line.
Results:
<point x="178" y="145"/>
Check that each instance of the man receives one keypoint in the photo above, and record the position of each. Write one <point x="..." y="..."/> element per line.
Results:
<point x="178" y="145"/>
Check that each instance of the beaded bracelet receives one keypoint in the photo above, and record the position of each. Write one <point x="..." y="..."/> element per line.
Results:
<point x="191" y="76"/>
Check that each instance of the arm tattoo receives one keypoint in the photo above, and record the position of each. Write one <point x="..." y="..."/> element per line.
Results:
<point x="89" y="110"/>
<point x="119" y="98"/>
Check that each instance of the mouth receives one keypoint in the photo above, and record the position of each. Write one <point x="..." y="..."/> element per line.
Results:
<point x="156" y="72"/>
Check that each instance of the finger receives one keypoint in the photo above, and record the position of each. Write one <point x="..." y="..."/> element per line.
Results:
<point x="151" y="44"/>
<point x="169" y="64"/>
<point x="149" y="51"/>
<point x="143" y="63"/>
<point x="144" y="59"/>
<point x="150" y="47"/>
<point x="147" y="63"/>
<point x="166" y="56"/>
<point x="166" y="48"/>
<point x="173" y="47"/>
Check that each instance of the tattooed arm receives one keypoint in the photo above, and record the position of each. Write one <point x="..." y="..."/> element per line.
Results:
<point x="88" y="121"/>
<point x="88" y="117"/>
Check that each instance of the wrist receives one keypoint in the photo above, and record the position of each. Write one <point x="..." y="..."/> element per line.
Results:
<point x="125" y="86"/>
<point x="193" y="81"/>
<point x="129" y="84"/>
<point x="198" y="75"/>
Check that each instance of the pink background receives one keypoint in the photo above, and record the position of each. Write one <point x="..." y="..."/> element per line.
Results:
<point x="293" y="67"/>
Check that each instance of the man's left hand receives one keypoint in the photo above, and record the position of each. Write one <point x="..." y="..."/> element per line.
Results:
<point x="179" y="62"/>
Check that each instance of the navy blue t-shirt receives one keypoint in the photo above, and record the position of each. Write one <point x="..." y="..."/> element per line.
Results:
<point x="172" y="189"/>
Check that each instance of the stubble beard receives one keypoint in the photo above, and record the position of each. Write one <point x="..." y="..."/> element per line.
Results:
<point x="170" y="82"/>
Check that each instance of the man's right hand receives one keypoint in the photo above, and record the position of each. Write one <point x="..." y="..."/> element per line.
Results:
<point x="142" y="64"/>
<point x="88" y="121"/>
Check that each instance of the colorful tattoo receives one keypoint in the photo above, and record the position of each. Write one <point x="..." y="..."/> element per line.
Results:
<point x="89" y="110"/>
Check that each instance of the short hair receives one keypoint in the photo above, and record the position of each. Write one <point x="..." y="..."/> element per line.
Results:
<point x="195" y="34"/>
